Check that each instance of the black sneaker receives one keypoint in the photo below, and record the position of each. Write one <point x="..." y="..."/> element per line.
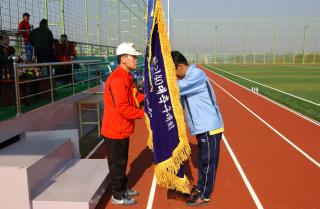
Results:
<point x="131" y="193"/>
<point x="198" y="202"/>
<point x="194" y="194"/>
<point x="194" y="190"/>
<point x="123" y="201"/>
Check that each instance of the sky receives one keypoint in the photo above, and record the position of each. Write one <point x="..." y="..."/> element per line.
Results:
<point x="243" y="8"/>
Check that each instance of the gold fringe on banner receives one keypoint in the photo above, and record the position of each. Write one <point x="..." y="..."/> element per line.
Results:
<point x="149" y="141"/>
<point x="166" y="172"/>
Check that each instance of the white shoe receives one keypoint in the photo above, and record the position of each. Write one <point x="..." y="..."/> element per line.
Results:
<point x="131" y="192"/>
<point x="123" y="201"/>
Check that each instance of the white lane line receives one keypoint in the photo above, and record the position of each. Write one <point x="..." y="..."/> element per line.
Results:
<point x="94" y="149"/>
<point x="283" y="92"/>
<point x="264" y="97"/>
<point x="243" y="175"/>
<point x="152" y="192"/>
<point x="268" y="125"/>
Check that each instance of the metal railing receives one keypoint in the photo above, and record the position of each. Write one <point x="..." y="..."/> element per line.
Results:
<point x="85" y="49"/>
<point x="16" y="39"/>
<point x="48" y="67"/>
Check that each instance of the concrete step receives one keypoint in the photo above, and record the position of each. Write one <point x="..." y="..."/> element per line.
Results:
<point x="79" y="185"/>
<point x="26" y="164"/>
<point x="71" y="134"/>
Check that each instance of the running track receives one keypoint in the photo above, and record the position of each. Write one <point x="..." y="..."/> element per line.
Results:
<point x="269" y="158"/>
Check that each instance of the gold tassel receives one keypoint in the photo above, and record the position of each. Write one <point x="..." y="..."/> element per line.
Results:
<point x="149" y="141"/>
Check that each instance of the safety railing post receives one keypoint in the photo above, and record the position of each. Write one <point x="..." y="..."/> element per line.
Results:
<point x="51" y="83"/>
<point x="16" y="85"/>
<point x="73" y="79"/>
<point x="88" y="75"/>
<point x="99" y="76"/>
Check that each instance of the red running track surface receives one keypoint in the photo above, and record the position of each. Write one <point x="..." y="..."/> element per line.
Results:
<point x="281" y="177"/>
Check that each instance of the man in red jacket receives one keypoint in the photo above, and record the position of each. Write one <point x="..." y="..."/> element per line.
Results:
<point x="120" y="110"/>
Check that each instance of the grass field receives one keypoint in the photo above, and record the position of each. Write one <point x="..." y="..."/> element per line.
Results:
<point x="301" y="81"/>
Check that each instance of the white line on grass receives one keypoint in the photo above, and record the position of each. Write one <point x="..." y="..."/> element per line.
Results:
<point x="264" y="97"/>
<point x="268" y="125"/>
<point x="243" y="175"/>
<point x="303" y="66"/>
<point x="152" y="192"/>
<point x="292" y="95"/>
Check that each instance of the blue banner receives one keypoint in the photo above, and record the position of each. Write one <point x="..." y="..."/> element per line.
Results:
<point x="162" y="105"/>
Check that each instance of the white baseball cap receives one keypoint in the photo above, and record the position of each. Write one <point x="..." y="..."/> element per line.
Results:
<point x="127" y="48"/>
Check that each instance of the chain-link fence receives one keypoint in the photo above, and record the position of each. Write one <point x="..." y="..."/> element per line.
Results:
<point x="248" y="41"/>
<point x="109" y="22"/>
<point x="100" y="22"/>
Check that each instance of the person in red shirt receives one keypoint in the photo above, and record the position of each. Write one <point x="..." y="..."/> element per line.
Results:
<point x="24" y="30"/>
<point x="64" y="52"/>
<point x="120" y="111"/>
<point x="65" y="49"/>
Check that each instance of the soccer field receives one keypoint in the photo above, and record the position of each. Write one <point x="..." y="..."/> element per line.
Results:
<point x="297" y="87"/>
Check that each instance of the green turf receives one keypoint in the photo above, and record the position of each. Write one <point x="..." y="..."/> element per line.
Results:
<point x="302" y="81"/>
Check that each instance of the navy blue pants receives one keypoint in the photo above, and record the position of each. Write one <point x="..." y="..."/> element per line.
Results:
<point x="207" y="160"/>
<point x="29" y="51"/>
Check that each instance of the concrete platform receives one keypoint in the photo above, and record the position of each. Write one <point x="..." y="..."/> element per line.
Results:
<point x="44" y="170"/>
<point x="79" y="185"/>
<point x="27" y="152"/>
<point x="25" y="165"/>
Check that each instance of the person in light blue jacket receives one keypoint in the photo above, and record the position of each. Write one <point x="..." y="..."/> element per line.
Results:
<point x="204" y="120"/>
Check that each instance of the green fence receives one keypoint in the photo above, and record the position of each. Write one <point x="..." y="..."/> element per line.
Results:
<point x="101" y="22"/>
<point x="248" y="41"/>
